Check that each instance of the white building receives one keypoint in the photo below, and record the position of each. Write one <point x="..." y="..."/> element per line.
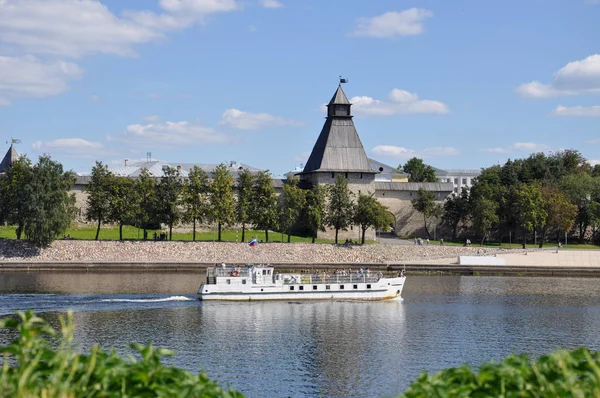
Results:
<point x="459" y="178"/>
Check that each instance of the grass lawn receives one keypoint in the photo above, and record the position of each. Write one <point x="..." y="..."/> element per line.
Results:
<point x="517" y="245"/>
<point x="132" y="233"/>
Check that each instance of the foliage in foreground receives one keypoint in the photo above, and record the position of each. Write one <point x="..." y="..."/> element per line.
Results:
<point x="560" y="374"/>
<point x="42" y="362"/>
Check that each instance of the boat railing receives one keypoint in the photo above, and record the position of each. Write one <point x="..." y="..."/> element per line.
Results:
<point x="299" y="279"/>
<point x="228" y="271"/>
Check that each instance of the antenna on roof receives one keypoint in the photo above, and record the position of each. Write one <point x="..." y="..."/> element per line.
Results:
<point x="343" y="80"/>
<point x="148" y="156"/>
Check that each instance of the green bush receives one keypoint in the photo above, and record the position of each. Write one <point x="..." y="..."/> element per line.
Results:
<point x="560" y="374"/>
<point x="42" y="362"/>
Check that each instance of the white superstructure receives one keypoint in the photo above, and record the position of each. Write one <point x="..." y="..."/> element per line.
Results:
<point x="261" y="282"/>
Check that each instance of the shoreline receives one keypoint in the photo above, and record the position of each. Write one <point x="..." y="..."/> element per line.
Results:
<point x="150" y="256"/>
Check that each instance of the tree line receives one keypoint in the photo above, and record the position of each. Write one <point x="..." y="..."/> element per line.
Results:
<point x="542" y="197"/>
<point x="202" y="199"/>
<point x="36" y="199"/>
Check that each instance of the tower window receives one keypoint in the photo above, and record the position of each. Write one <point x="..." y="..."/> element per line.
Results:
<point x="332" y="175"/>
<point x="346" y="174"/>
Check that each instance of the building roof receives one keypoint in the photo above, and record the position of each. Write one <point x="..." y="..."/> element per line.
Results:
<point x="414" y="186"/>
<point x="10" y="157"/>
<point x="338" y="148"/>
<point x="157" y="168"/>
<point x="457" y="172"/>
<point x="339" y="97"/>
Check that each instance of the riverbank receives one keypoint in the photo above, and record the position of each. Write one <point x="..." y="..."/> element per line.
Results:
<point x="227" y="252"/>
<point x="115" y="256"/>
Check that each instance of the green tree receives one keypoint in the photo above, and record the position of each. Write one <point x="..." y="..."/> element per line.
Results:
<point x="560" y="213"/>
<point x="264" y="208"/>
<point x="596" y="170"/>
<point x="370" y="213"/>
<point x="579" y="189"/>
<point x="425" y="204"/>
<point x="340" y="210"/>
<point x="99" y="192"/>
<point x="245" y="196"/>
<point x="145" y="188"/>
<point x="419" y="172"/>
<point x="196" y="199"/>
<point x="222" y="204"/>
<point x="51" y="208"/>
<point x="124" y="202"/>
<point x="314" y="211"/>
<point x="456" y="210"/>
<point x="529" y="209"/>
<point x="483" y="216"/>
<point x="291" y="203"/>
<point x="16" y="193"/>
<point x="168" y="198"/>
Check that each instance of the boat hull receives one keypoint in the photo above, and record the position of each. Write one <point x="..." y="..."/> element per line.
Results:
<point x="384" y="289"/>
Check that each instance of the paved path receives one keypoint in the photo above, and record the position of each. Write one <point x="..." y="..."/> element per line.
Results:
<point x="389" y="239"/>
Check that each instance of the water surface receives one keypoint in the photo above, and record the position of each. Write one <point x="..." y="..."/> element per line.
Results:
<point x="330" y="349"/>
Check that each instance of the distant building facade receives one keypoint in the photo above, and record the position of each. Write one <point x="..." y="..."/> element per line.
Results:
<point x="458" y="178"/>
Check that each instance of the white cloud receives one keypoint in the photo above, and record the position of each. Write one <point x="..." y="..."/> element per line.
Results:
<point x="577" y="111"/>
<point x="271" y="4"/>
<point x="577" y="77"/>
<point x="171" y="134"/>
<point x="72" y="147"/>
<point x="199" y="6"/>
<point x="594" y="162"/>
<point x="399" y="102"/>
<point x="302" y="157"/>
<point x="391" y="24"/>
<point x="519" y="147"/>
<point x="30" y="77"/>
<point x="151" y="119"/>
<point x="38" y="34"/>
<point x="391" y="151"/>
<point x="69" y="28"/>
<point x="253" y="121"/>
<point x="397" y="152"/>
<point x="596" y="141"/>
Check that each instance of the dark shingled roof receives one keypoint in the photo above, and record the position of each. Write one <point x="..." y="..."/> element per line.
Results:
<point x="10" y="157"/>
<point x="338" y="147"/>
<point x="339" y="97"/>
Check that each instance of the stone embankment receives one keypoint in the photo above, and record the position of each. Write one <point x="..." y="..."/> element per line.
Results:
<point x="74" y="251"/>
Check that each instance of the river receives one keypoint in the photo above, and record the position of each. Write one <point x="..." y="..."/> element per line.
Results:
<point x="329" y="349"/>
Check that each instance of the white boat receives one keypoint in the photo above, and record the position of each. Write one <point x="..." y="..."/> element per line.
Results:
<point x="261" y="282"/>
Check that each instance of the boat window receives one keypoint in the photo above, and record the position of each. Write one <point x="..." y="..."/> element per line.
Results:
<point x="314" y="287"/>
<point x="291" y="287"/>
<point x="368" y="286"/>
<point x="229" y="281"/>
<point x="355" y="286"/>
<point x="243" y="281"/>
<point x="269" y="272"/>
<point x="301" y="288"/>
<point x="327" y="287"/>
<point x="264" y="272"/>
<point x="341" y="287"/>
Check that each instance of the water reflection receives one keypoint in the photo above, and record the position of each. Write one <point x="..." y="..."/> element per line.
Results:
<point x="331" y="349"/>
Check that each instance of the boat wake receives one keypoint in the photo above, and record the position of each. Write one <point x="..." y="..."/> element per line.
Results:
<point x="158" y="300"/>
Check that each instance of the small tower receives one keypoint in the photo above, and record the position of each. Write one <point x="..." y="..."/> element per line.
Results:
<point x="338" y="148"/>
<point x="10" y="157"/>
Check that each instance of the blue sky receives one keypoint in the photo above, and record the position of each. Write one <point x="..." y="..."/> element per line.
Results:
<point x="462" y="84"/>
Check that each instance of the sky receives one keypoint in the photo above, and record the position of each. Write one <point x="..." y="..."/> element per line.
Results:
<point x="461" y="84"/>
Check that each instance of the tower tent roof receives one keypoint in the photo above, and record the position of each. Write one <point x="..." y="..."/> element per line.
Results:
<point x="10" y="157"/>
<point x="338" y="147"/>
<point x="339" y="97"/>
